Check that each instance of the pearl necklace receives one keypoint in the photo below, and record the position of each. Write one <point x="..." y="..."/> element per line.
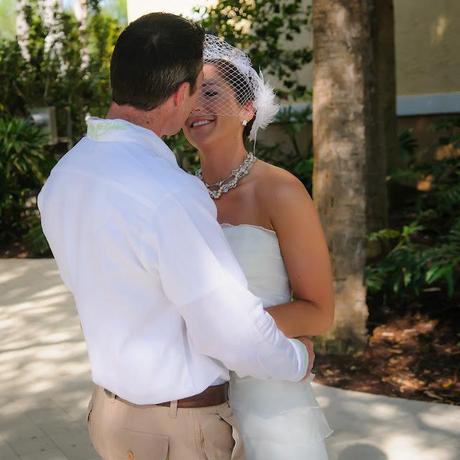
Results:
<point x="225" y="185"/>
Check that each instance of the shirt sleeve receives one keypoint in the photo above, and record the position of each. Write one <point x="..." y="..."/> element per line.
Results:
<point x="201" y="276"/>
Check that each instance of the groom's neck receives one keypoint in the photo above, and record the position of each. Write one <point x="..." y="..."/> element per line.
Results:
<point x="150" y="119"/>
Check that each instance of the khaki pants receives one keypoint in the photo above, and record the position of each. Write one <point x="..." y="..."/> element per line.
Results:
<point x="120" y="430"/>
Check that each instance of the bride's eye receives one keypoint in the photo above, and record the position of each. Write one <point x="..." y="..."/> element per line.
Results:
<point x="210" y="93"/>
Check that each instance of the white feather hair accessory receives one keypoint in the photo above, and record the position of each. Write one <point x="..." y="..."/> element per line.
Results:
<point x="241" y="81"/>
<point x="265" y="106"/>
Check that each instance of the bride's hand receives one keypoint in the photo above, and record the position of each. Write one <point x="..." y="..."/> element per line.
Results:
<point x="311" y="354"/>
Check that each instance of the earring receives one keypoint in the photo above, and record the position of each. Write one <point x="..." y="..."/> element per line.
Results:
<point x="244" y="122"/>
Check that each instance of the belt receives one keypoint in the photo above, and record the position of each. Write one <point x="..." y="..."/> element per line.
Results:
<point x="212" y="396"/>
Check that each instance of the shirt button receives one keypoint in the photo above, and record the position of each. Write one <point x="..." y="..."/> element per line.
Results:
<point x="130" y="455"/>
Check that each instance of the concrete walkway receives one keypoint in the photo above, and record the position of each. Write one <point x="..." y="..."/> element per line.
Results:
<point x="45" y="386"/>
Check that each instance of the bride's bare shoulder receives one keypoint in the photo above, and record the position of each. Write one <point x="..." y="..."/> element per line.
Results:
<point x="274" y="184"/>
<point x="284" y="200"/>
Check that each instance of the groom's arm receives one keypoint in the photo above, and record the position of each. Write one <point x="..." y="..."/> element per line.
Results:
<point x="201" y="277"/>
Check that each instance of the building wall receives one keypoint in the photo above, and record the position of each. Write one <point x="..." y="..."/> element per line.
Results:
<point x="427" y="46"/>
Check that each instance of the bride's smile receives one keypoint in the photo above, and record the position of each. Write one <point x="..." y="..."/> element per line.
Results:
<point x="200" y="122"/>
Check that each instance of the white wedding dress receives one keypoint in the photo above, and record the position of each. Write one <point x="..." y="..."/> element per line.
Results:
<point x="279" y="420"/>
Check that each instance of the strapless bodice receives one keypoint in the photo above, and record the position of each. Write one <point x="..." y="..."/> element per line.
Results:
<point x="258" y="253"/>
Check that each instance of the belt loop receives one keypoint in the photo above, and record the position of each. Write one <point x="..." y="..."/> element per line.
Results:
<point x="173" y="409"/>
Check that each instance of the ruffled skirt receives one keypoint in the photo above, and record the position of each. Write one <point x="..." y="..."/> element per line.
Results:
<point x="279" y="420"/>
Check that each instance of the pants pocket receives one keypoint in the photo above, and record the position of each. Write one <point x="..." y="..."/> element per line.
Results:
<point x="221" y="436"/>
<point x="238" y="450"/>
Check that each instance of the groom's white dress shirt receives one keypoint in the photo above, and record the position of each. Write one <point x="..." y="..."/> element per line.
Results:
<point x="162" y="301"/>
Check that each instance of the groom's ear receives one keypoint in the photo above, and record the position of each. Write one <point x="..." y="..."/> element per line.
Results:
<point x="181" y="93"/>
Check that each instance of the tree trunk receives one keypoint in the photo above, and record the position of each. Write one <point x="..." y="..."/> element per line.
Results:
<point x="342" y="140"/>
<point x="53" y="41"/>
<point x="81" y="10"/>
<point x="385" y="146"/>
<point x="22" y="28"/>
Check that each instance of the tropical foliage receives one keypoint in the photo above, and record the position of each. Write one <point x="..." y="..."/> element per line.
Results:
<point x="49" y="73"/>
<point x="55" y="74"/>
<point x="423" y="253"/>
<point x="23" y="168"/>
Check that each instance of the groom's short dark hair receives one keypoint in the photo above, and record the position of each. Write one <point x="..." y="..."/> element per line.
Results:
<point x="152" y="57"/>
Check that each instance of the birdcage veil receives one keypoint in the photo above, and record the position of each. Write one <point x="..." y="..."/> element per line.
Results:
<point x="238" y="79"/>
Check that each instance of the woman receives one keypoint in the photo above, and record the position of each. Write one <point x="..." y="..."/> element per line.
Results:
<point x="274" y="231"/>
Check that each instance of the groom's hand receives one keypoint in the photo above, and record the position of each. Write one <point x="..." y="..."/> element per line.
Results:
<point x="311" y="353"/>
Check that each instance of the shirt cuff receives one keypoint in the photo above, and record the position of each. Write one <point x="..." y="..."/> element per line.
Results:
<point x="302" y="357"/>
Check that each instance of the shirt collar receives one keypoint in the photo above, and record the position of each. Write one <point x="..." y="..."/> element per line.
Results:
<point x="113" y="130"/>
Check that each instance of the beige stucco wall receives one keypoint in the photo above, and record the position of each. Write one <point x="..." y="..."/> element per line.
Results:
<point x="427" y="42"/>
<point x="427" y="46"/>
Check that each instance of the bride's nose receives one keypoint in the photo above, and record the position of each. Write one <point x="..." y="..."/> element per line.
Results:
<point x="201" y="106"/>
<point x="199" y="109"/>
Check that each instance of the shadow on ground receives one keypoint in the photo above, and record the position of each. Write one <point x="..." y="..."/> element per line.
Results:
<point x="45" y="386"/>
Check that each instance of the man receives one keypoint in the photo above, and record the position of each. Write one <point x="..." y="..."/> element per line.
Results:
<point x="163" y="304"/>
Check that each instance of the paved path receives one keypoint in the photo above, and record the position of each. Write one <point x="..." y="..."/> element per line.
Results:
<point x="45" y="386"/>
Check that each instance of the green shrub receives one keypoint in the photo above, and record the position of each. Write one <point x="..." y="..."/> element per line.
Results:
<point x="55" y="76"/>
<point x="424" y="253"/>
<point x="58" y="76"/>
<point x="12" y="90"/>
<point x="23" y="168"/>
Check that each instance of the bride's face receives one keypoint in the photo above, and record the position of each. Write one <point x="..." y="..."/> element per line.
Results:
<point x="206" y="124"/>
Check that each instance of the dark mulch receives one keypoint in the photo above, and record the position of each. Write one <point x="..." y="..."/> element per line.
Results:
<point x="413" y="354"/>
<point x="13" y="251"/>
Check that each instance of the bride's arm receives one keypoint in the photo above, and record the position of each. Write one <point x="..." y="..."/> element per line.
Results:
<point x="306" y="257"/>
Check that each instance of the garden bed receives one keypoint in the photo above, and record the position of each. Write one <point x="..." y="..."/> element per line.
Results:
<point x="413" y="354"/>
<point x="17" y="251"/>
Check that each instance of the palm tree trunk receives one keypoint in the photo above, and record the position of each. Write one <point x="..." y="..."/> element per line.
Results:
<point x="53" y="40"/>
<point x="81" y="10"/>
<point x="342" y="132"/>
<point x="22" y="28"/>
